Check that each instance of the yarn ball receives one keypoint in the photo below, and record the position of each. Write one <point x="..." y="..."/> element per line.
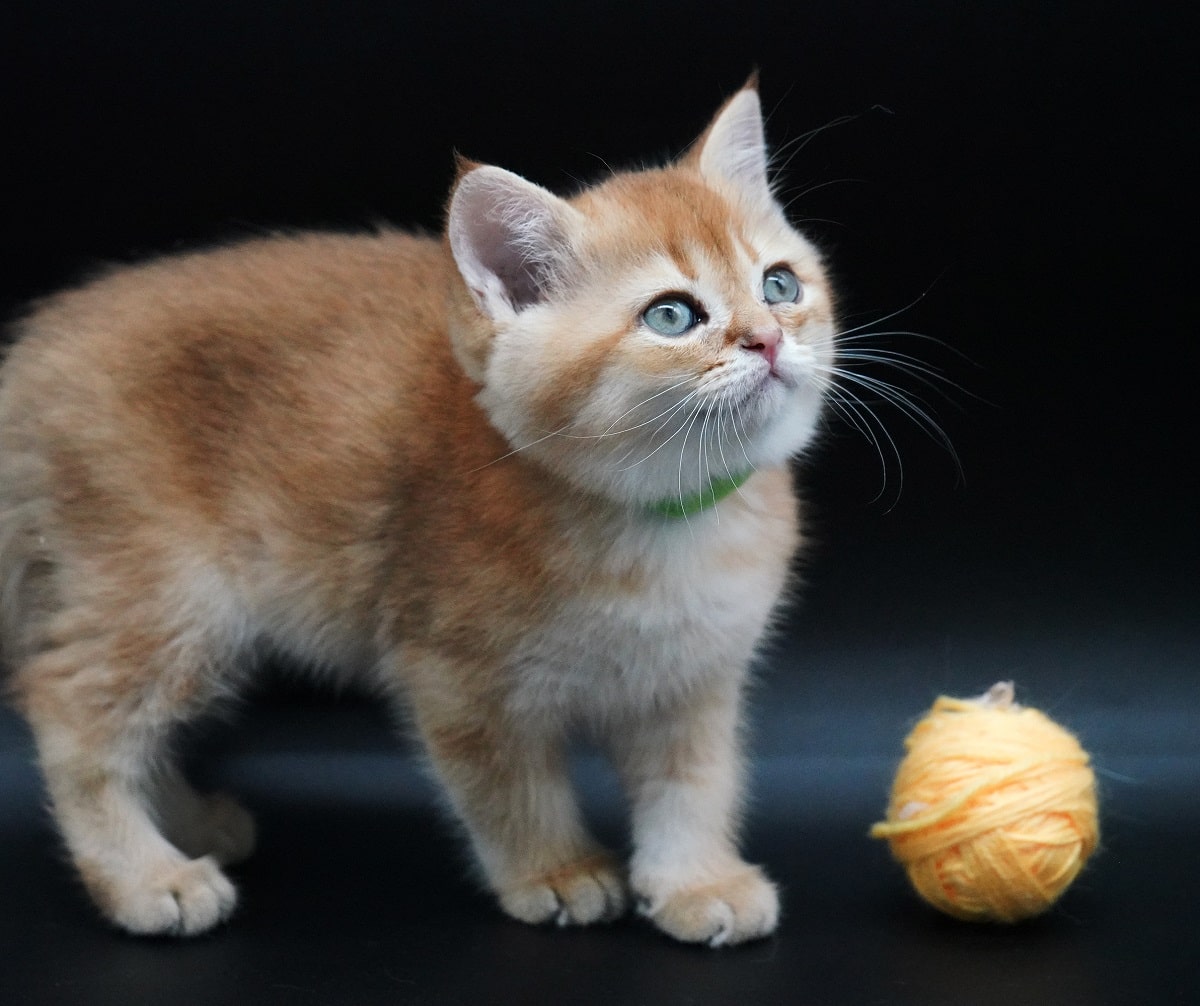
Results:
<point x="993" y="810"/>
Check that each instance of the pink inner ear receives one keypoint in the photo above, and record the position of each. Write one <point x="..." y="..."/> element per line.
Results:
<point x="735" y="148"/>
<point x="498" y="251"/>
<point x="508" y="237"/>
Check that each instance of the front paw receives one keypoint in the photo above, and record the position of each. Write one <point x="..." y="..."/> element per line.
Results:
<point x="738" y="906"/>
<point x="587" y="890"/>
<point x="166" y="898"/>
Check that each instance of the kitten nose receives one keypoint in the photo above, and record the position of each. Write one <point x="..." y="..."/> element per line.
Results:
<point x="764" y="340"/>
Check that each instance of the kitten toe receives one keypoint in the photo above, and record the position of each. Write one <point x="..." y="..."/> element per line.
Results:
<point x="742" y="906"/>
<point x="578" y="894"/>
<point x="176" y="899"/>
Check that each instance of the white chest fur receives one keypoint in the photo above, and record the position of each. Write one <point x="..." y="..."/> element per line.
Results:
<point x="670" y="605"/>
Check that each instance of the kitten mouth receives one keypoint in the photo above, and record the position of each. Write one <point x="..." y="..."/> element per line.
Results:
<point x="775" y="374"/>
<point x="765" y="393"/>
<point x="761" y="392"/>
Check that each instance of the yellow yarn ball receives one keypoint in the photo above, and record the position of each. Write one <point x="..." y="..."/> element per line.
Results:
<point x="993" y="810"/>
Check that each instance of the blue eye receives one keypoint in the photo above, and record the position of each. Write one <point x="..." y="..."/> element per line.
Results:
<point x="780" y="286"/>
<point x="670" y="316"/>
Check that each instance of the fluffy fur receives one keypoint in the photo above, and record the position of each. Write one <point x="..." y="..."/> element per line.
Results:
<point x="432" y="465"/>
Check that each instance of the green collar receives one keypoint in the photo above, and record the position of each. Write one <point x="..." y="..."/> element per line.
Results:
<point x="710" y="495"/>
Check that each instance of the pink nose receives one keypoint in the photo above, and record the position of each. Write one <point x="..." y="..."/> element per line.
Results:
<point x="766" y="341"/>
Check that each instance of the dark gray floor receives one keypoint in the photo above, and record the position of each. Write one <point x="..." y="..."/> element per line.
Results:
<point x="359" y="893"/>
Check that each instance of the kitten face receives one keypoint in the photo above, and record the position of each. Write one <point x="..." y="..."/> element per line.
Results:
<point x="659" y="331"/>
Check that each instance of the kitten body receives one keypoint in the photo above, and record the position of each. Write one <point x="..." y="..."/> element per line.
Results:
<point x="447" y="467"/>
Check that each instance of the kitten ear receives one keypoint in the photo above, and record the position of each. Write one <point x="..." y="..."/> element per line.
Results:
<point x="733" y="149"/>
<point x="511" y="239"/>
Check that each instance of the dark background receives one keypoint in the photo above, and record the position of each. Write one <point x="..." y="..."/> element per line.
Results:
<point x="1011" y="181"/>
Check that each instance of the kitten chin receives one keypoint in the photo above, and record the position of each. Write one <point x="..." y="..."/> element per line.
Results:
<point x="528" y="477"/>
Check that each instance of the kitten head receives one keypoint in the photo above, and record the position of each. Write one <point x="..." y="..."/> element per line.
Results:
<point x="657" y="332"/>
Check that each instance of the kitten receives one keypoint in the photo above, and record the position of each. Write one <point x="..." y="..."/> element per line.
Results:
<point x="528" y="479"/>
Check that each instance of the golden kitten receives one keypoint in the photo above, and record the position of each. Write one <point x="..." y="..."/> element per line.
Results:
<point x="528" y="479"/>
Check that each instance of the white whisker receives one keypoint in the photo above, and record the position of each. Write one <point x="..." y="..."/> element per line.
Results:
<point x="906" y="364"/>
<point x="895" y="314"/>
<point x="518" y="450"/>
<point x="683" y="449"/>
<point x="720" y="429"/>
<point x="739" y="431"/>
<point x="907" y="404"/>
<point x="666" y="419"/>
<point x="814" y="188"/>
<point x="789" y="150"/>
<point x="856" y="351"/>
<point x="852" y="411"/>
<point x="863" y="334"/>
<point x="702" y="452"/>
<point x="610" y="432"/>
<point x="676" y="408"/>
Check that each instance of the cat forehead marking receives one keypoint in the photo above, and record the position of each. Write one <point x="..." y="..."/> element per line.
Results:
<point x="667" y="211"/>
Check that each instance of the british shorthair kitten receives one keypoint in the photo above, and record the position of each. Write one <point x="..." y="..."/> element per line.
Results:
<point x="526" y="480"/>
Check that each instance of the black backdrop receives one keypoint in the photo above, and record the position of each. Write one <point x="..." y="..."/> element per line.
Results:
<point x="1012" y="181"/>
<point x="1020" y="168"/>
